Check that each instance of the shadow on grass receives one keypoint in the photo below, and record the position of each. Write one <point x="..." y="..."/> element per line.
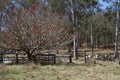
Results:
<point x="75" y="64"/>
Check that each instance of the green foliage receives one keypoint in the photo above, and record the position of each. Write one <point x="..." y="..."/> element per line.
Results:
<point x="58" y="6"/>
<point x="104" y="35"/>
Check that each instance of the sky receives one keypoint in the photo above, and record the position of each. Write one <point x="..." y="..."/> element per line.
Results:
<point x="104" y="4"/>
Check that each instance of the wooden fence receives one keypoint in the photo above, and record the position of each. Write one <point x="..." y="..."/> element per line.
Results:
<point x="45" y="58"/>
<point x="38" y="59"/>
<point x="64" y="57"/>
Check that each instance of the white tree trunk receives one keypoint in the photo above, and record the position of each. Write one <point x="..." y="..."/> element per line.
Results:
<point x="75" y="47"/>
<point x="75" y="24"/>
<point x="116" y="34"/>
<point x="92" y="37"/>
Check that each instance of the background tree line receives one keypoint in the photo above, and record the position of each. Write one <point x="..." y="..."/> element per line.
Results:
<point x="82" y="19"/>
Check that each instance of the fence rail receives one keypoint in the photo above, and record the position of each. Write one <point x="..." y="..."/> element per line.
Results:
<point x="45" y="59"/>
<point x="67" y="57"/>
<point x="40" y="58"/>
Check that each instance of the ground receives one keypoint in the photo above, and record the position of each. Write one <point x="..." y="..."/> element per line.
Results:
<point x="66" y="71"/>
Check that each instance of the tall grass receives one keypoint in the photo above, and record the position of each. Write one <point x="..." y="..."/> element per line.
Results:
<point x="74" y="71"/>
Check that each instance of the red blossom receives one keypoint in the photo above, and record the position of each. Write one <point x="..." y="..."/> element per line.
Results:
<point x="34" y="27"/>
<point x="52" y="28"/>
<point x="57" y="14"/>
<point x="1" y="46"/>
<point x="32" y="9"/>
<point x="0" y="30"/>
<point x="7" y="38"/>
<point x="45" y="15"/>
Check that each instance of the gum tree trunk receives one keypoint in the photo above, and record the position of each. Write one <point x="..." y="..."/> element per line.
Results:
<point x="75" y="47"/>
<point x="116" y="34"/>
<point x="74" y="21"/>
<point x="92" y="37"/>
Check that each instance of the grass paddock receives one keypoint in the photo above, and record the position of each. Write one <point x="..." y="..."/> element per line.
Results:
<point x="66" y="71"/>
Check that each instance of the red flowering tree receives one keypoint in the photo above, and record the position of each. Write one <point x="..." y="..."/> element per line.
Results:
<point x="35" y="31"/>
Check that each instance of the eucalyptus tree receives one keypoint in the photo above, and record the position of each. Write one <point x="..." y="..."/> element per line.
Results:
<point x="116" y="32"/>
<point x="104" y="30"/>
<point x="74" y="10"/>
<point x="115" y="6"/>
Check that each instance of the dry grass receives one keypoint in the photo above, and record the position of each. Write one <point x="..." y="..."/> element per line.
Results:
<point x="88" y="50"/>
<point x="75" y="71"/>
<point x="96" y="51"/>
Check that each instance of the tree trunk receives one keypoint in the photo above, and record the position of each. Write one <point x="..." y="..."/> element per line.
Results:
<point x="57" y="50"/>
<point x="87" y="43"/>
<point x="29" y="57"/>
<point x="92" y="37"/>
<point x="116" y="34"/>
<point x="96" y="42"/>
<point x="75" y="47"/>
<point x="74" y="21"/>
<point x="69" y="49"/>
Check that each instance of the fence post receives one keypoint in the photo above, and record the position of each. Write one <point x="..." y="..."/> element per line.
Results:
<point x="1" y="58"/>
<point x="16" y="58"/>
<point x="85" y="57"/>
<point x="34" y="60"/>
<point x="54" y="57"/>
<point x="70" y="58"/>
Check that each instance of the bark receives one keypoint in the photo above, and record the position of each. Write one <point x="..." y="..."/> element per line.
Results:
<point x="74" y="21"/>
<point x="69" y="49"/>
<point x="57" y="50"/>
<point x="29" y="55"/>
<point x="75" y="47"/>
<point x="116" y="34"/>
<point x="92" y="37"/>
